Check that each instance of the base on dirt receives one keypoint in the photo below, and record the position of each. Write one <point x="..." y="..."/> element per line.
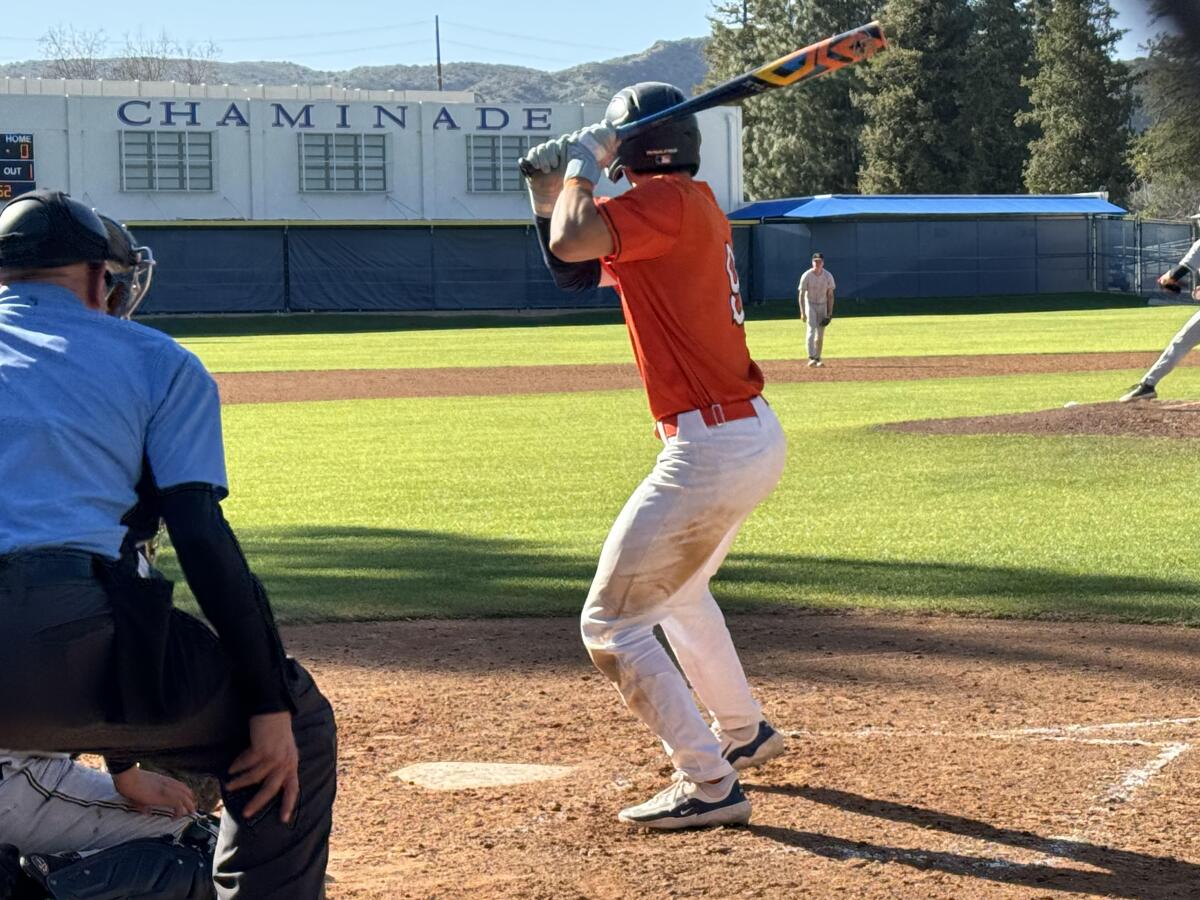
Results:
<point x="457" y="776"/>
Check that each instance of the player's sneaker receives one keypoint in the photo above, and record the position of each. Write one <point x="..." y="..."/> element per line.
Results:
<point x="811" y="362"/>
<point x="750" y="751"/>
<point x="818" y="363"/>
<point x="1140" y="391"/>
<point x="690" y="804"/>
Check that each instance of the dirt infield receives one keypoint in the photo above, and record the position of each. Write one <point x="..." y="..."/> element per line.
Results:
<point x="366" y="384"/>
<point x="932" y="758"/>
<point x="1174" y="419"/>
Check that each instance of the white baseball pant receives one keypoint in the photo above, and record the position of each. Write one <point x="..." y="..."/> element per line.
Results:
<point x="1185" y="339"/>
<point x="1181" y="344"/>
<point x="52" y="804"/>
<point x="816" y="312"/>
<point x="668" y="541"/>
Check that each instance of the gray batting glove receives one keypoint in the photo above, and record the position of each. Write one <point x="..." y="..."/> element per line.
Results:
<point x="545" y="184"/>
<point x="590" y="150"/>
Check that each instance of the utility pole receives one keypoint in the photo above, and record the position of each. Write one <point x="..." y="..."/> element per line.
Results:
<point x="437" y="36"/>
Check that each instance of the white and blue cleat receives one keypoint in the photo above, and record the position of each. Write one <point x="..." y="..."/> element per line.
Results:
<point x="690" y="804"/>
<point x="765" y="744"/>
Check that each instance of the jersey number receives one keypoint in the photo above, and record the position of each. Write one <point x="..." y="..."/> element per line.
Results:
<point x="735" y="287"/>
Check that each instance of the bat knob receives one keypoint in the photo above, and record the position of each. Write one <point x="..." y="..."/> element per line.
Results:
<point x="526" y="168"/>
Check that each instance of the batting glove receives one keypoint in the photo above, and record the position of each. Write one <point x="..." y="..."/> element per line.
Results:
<point x="545" y="184"/>
<point x="590" y="150"/>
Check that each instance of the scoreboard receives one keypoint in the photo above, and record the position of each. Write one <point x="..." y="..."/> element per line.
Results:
<point x="16" y="165"/>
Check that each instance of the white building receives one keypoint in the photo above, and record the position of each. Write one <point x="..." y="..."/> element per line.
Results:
<point x="166" y="152"/>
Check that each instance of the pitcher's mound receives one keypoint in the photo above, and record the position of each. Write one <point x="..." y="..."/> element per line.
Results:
<point x="457" y="776"/>
<point x="1147" y="418"/>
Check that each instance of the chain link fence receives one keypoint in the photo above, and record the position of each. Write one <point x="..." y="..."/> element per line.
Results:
<point x="1130" y="254"/>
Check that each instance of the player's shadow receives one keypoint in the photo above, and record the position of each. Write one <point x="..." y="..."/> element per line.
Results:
<point x="1124" y="873"/>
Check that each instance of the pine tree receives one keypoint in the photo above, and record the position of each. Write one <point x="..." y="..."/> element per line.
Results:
<point x="1001" y="57"/>
<point x="799" y="141"/>
<point x="1166" y="156"/>
<point x="1081" y="103"/>
<point x="915" y="99"/>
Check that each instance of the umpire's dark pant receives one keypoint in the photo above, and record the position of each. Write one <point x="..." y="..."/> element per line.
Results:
<point x="56" y="682"/>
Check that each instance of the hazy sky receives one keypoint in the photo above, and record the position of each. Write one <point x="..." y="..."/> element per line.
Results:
<point x="371" y="32"/>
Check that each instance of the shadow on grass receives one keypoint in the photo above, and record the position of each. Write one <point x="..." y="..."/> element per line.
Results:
<point x="1125" y="873"/>
<point x="368" y="574"/>
<point x="906" y="585"/>
<point x="317" y="574"/>
<point x="353" y="323"/>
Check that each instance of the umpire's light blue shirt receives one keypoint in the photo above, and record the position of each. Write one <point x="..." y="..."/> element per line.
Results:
<point x="84" y="399"/>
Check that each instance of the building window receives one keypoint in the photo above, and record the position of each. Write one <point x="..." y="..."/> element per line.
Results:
<point x="166" y="161"/>
<point x="343" y="162"/>
<point x="492" y="162"/>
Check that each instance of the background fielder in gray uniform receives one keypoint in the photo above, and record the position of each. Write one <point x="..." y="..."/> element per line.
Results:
<point x="1185" y="338"/>
<point x="816" y="305"/>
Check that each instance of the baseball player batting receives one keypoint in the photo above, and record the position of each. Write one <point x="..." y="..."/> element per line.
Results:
<point x="1185" y="338"/>
<point x="666" y="247"/>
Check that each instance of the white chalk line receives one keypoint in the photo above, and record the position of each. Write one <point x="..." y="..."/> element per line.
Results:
<point x="1110" y="726"/>
<point x="1118" y="794"/>
<point x="977" y="736"/>
<point x="1137" y="778"/>
<point x="1060" y="848"/>
<point x="1044" y="732"/>
<point x="922" y="859"/>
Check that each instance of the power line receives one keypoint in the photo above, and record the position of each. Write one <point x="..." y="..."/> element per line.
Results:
<point x="302" y="54"/>
<point x="320" y="34"/>
<point x="529" y="37"/>
<point x="495" y="52"/>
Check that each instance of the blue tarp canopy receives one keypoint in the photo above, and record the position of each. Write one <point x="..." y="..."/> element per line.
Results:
<point x="832" y="206"/>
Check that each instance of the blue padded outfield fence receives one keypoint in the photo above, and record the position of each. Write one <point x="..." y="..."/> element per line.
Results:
<point x="232" y="267"/>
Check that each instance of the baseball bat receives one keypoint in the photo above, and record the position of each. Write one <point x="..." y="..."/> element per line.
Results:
<point x="801" y="65"/>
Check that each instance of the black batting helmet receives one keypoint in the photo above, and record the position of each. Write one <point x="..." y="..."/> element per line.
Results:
<point x="664" y="148"/>
<point x="48" y="229"/>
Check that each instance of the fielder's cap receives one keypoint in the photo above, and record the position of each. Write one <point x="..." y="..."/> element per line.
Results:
<point x="47" y="229"/>
<point x="818" y="255"/>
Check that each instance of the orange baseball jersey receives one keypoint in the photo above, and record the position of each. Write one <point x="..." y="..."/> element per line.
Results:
<point x="674" y="267"/>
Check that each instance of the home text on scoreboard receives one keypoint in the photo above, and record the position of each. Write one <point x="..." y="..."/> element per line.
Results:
<point x="16" y="165"/>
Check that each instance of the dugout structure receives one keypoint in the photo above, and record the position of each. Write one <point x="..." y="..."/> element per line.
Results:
<point x="892" y="246"/>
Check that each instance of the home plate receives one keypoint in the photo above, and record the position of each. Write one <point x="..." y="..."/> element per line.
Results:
<point x="457" y="776"/>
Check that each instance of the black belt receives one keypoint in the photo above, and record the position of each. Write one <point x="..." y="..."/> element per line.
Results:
<point x="49" y="566"/>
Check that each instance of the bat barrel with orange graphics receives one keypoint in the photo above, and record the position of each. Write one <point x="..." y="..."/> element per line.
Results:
<point x="810" y="62"/>
<point x="801" y="65"/>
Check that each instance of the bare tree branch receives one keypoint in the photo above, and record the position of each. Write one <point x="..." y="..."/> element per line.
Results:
<point x="145" y="58"/>
<point x="74" y="53"/>
<point x="198" y="65"/>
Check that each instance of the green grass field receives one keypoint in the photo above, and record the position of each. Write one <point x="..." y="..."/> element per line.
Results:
<point x="390" y="345"/>
<point x="498" y="505"/>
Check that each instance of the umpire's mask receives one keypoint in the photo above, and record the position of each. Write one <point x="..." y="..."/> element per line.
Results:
<point x="129" y="271"/>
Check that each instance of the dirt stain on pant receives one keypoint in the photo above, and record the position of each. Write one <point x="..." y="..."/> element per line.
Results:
<point x="634" y="696"/>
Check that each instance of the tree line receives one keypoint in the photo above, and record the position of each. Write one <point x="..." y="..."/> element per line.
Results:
<point x="973" y="96"/>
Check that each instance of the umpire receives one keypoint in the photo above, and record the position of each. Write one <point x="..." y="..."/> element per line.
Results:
<point x="97" y="660"/>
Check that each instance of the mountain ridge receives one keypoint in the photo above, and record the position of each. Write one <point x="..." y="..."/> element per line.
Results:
<point x="680" y="62"/>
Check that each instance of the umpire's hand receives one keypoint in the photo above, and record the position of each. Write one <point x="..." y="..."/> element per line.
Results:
<point x="272" y="761"/>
